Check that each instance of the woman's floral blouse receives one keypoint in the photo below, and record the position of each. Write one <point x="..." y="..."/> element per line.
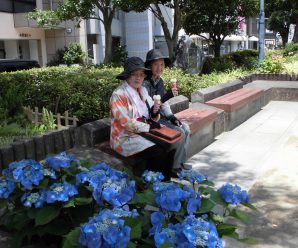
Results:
<point x="124" y="137"/>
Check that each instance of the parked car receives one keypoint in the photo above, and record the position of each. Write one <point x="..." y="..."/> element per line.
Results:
<point x="17" y="64"/>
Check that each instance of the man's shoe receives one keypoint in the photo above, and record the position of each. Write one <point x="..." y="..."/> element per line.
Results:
<point x="175" y="173"/>
<point x="186" y="166"/>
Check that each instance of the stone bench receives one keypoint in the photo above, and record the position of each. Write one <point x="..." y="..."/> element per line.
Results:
<point x="238" y="105"/>
<point x="207" y="94"/>
<point x="201" y="125"/>
<point x="276" y="90"/>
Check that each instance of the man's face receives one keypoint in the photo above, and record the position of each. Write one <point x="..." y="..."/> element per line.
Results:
<point x="157" y="67"/>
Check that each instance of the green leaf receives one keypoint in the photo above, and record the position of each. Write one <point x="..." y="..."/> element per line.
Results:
<point x="206" y="206"/>
<point x="248" y="240"/>
<point x="131" y="245"/>
<point x="166" y="245"/>
<point x="44" y="183"/>
<point x="148" y="197"/>
<point x="70" y="203"/>
<point x="20" y="220"/>
<point x="226" y="229"/>
<point x="249" y="205"/>
<point x="136" y="227"/>
<point x="240" y="215"/>
<point x="46" y="215"/>
<point x="83" y="200"/>
<point x="2" y="203"/>
<point x="72" y="238"/>
<point x="31" y="212"/>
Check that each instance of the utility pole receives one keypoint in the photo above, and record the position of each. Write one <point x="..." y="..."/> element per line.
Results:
<point x="261" y="32"/>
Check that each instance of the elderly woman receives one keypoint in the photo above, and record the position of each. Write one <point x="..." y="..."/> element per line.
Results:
<point x="128" y="103"/>
<point x="157" y="62"/>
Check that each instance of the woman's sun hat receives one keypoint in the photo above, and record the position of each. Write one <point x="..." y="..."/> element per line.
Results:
<point x="132" y="64"/>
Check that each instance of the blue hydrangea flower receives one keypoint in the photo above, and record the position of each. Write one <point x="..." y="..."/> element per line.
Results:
<point x="108" y="184"/>
<point x="200" y="232"/>
<point x="61" y="192"/>
<point x="124" y="212"/>
<point x="152" y="177"/>
<point x="169" y="196"/>
<point x="38" y="199"/>
<point x="168" y="234"/>
<point x="49" y="172"/>
<point x="62" y="160"/>
<point x="192" y="176"/>
<point x="192" y="232"/>
<point x="233" y="194"/>
<point x="26" y="172"/>
<point x="116" y="192"/>
<point x="157" y="219"/>
<point x="105" y="230"/>
<point x="6" y="187"/>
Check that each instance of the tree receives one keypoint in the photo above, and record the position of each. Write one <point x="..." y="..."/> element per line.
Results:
<point x="282" y="13"/>
<point x="219" y="18"/>
<point x="78" y="10"/>
<point x="171" y="36"/>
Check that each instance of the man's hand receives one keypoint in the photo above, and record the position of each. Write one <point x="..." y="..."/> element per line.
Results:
<point x="175" y="92"/>
<point x="175" y="121"/>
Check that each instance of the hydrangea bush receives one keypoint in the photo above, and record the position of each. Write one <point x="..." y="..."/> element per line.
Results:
<point x="72" y="203"/>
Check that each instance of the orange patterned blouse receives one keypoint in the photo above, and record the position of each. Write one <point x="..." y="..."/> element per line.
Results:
<point x="124" y="111"/>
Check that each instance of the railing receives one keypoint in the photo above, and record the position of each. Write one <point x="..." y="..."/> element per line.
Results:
<point x="36" y="117"/>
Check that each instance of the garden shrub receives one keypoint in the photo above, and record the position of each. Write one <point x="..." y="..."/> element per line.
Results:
<point x="271" y="64"/>
<point x="245" y="59"/>
<point x="74" y="54"/>
<point x="119" y="56"/>
<point x="221" y="64"/>
<point x="71" y="203"/>
<point x="291" y="49"/>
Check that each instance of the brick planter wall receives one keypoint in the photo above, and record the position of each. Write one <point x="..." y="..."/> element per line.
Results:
<point x="37" y="147"/>
<point x="275" y="77"/>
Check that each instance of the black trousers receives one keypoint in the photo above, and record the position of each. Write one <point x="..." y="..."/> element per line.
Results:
<point x="155" y="158"/>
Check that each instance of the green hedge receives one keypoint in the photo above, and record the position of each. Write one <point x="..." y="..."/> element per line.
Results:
<point x="85" y="92"/>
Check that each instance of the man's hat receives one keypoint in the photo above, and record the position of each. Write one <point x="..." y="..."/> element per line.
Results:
<point x="155" y="54"/>
<point x="132" y="64"/>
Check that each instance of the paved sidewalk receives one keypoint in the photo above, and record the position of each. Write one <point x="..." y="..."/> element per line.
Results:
<point x="261" y="155"/>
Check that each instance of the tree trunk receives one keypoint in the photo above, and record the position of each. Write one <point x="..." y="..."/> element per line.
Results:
<point x="170" y="43"/>
<point x="108" y="43"/>
<point x="284" y="38"/>
<point x="171" y="39"/>
<point x="217" y="45"/>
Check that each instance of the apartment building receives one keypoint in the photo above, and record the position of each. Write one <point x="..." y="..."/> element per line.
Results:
<point x="21" y="38"/>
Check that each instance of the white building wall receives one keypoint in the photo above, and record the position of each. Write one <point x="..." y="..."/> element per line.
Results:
<point x="10" y="34"/>
<point x="138" y="33"/>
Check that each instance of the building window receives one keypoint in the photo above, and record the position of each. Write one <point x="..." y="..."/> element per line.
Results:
<point x="2" y="50"/>
<point x="17" y="6"/>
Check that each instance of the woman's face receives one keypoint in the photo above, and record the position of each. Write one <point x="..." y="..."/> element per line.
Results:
<point x="136" y="78"/>
<point x="157" y="67"/>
